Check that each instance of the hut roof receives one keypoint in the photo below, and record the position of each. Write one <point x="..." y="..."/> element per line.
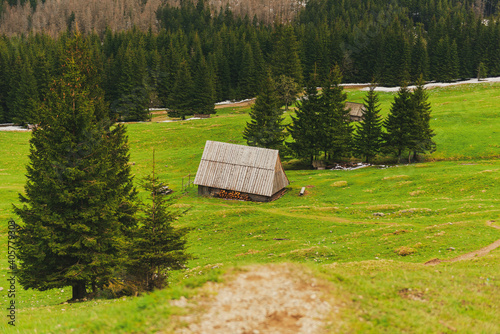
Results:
<point x="247" y="169"/>
<point x="356" y="109"/>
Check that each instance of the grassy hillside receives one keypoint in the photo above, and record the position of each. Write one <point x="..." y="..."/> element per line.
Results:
<point x="439" y="209"/>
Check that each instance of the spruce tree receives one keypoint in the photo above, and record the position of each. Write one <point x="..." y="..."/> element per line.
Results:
<point x="421" y="131"/>
<point x="285" y="58"/>
<point x="180" y="100"/>
<point x="335" y="131"/>
<point x="156" y="245"/>
<point x="4" y="80"/>
<point x="287" y="90"/>
<point x="399" y="123"/>
<point x="23" y="94"/>
<point x="368" y="136"/>
<point x="419" y="57"/>
<point x="78" y="199"/>
<point x="203" y="98"/>
<point x="305" y="125"/>
<point x="265" y="128"/>
<point x="247" y="85"/>
<point x="131" y="95"/>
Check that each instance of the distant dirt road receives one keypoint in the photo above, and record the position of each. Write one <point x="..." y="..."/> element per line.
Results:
<point x="468" y="256"/>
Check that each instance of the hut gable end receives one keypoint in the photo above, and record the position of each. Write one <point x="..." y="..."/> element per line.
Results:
<point x="245" y="169"/>
<point x="356" y="111"/>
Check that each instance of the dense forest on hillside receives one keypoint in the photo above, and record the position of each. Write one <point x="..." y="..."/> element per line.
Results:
<point x="192" y="54"/>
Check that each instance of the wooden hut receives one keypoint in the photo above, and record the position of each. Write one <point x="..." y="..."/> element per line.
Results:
<point x="356" y="112"/>
<point x="240" y="172"/>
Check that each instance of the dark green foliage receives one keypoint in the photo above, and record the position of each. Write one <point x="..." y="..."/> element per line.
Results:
<point x="180" y="99"/>
<point x="23" y="95"/>
<point x="285" y="55"/>
<point x="305" y="125"/>
<point x="482" y="71"/>
<point x="421" y="131"/>
<point x="335" y="131"/>
<point x="203" y="95"/>
<point x="368" y="136"/>
<point x="419" y="57"/>
<point x="156" y="246"/>
<point x="4" y="80"/>
<point x="287" y="90"/>
<point x="399" y="123"/>
<point x="446" y="63"/>
<point x="248" y="82"/>
<point x="131" y="99"/>
<point x="79" y="197"/>
<point x="265" y="128"/>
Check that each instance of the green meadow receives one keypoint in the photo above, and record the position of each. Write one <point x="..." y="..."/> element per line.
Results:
<point x="367" y="232"/>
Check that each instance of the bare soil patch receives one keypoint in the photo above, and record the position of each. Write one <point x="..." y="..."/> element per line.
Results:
<point x="265" y="299"/>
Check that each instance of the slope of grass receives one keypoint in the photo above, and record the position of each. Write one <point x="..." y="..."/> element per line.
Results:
<point x="425" y="211"/>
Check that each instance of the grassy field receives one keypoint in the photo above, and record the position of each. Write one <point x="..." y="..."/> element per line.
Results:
<point x="437" y="209"/>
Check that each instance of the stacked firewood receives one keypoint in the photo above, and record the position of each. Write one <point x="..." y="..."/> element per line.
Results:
<point x="233" y="195"/>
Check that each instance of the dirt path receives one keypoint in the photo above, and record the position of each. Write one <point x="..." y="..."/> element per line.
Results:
<point x="468" y="256"/>
<point x="264" y="299"/>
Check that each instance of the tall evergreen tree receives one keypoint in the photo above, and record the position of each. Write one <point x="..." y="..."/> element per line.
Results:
<point x="285" y="56"/>
<point x="368" y="136"/>
<point x="79" y="196"/>
<point x="156" y="246"/>
<point x="305" y="125"/>
<point x="180" y="101"/>
<point x="421" y="131"/>
<point x="335" y="130"/>
<point x="265" y="128"/>
<point x="4" y="80"/>
<point x="131" y="94"/>
<point x="23" y="94"/>
<point x="399" y="123"/>
<point x="287" y="90"/>
<point x="203" y="97"/>
<point x="248" y="82"/>
<point x="419" y="57"/>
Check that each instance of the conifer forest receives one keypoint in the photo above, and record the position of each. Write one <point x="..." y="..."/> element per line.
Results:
<point x="186" y="56"/>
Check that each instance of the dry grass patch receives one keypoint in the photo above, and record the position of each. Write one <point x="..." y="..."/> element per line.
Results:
<point x="395" y="177"/>
<point x="383" y="207"/>
<point x="417" y="192"/>
<point x="327" y="208"/>
<point x="403" y="183"/>
<point x="412" y="294"/>
<point x="397" y="232"/>
<point x="488" y="171"/>
<point x="249" y="252"/>
<point x="339" y="184"/>
<point x="404" y="250"/>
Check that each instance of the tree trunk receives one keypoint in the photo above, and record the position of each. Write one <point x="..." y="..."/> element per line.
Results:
<point x="415" y="156"/>
<point x="79" y="290"/>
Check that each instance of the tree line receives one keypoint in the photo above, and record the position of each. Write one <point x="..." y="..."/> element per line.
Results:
<point x="199" y="56"/>
<point x="321" y="128"/>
